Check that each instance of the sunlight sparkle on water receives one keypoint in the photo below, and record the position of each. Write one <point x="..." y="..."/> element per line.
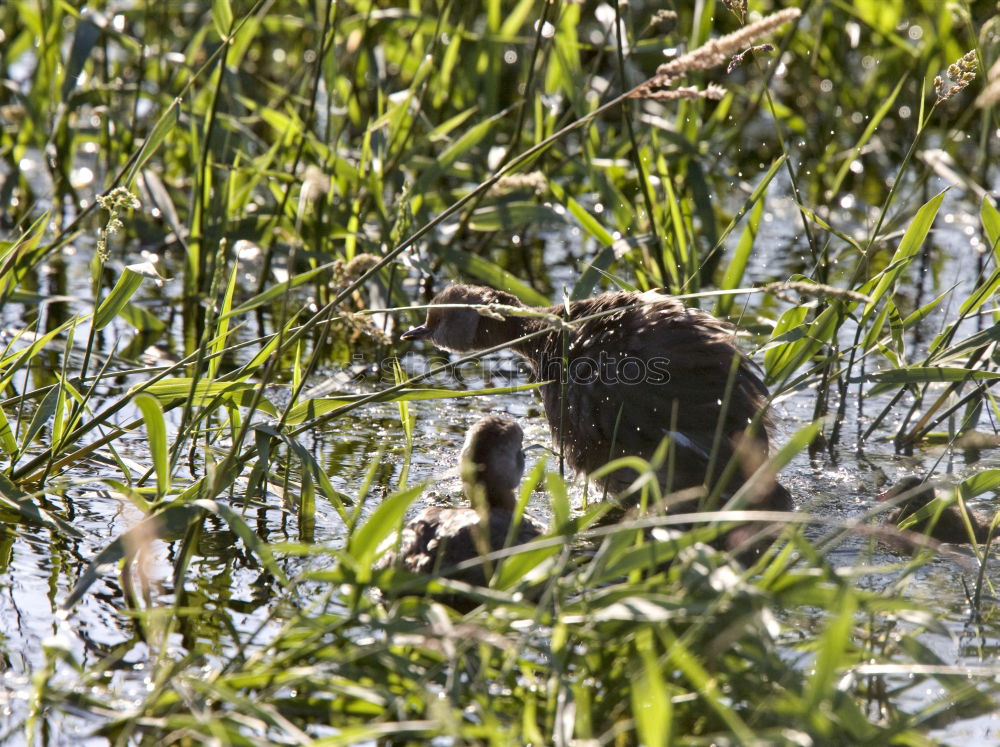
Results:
<point x="81" y="177"/>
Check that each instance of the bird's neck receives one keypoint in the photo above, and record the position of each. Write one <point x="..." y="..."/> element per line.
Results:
<point x="542" y="349"/>
<point x="501" y="499"/>
<point x="493" y="332"/>
<point x="482" y="494"/>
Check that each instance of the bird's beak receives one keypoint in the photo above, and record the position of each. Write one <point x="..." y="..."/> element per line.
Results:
<point x="416" y="333"/>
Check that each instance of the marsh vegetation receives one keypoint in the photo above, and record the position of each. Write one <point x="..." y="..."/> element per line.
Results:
<point x="216" y="219"/>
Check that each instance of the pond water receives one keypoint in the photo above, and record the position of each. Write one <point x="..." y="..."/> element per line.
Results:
<point x="38" y="568"/>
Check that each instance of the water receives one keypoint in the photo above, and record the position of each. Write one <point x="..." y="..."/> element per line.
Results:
<point x="39" y="568"/>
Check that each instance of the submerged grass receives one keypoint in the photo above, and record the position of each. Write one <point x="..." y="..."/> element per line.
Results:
<point x="279" y="183"/>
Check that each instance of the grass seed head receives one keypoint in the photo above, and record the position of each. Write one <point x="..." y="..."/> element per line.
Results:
<point x="711" y="54"/>
<point x="961" y="73"/>
<point x="533" y="180"/>
<point x="117" y="199"/>
<point x="737" y="7"/>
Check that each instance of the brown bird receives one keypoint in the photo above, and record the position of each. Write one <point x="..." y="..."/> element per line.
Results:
<point x="438" y="539"/>
<point x="646" y="369"/>
<point x="913" y="494"/>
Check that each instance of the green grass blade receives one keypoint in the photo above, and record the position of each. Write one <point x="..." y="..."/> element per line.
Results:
<point x="277" y="291"/>
<point x="125" y="288"/>
<point x="908" y="247"/>
<point x="831" y="649"/>
<point x="22" y="504"/>
<point x="873" y="124"/>
<point x="156" y="433"/>
<point x="492" y="274"/>
<point x="7" y="440"/>
<point x="142" y="320"/>
<point x="558" y="499"/>
<point x="982" y="482"/>
<point x="222" y="17"/>
<point x="591" y="226"/>
<point x="222" y="331"/>
<point x="84" y="39"/>
<point x="315" y="408"/>
<point x="733" y="276"/>
<point x="650" y="699"/>
<point x="990" y="218"/>
<point x="164" y="125"/>
<point x="43" y="413"/>
<point x="781" y="362"/>
<point x="926" y="374"/>
<point x="171" y="391"/>
<point x="755" y="197"/>
<point x="384" y="520"/>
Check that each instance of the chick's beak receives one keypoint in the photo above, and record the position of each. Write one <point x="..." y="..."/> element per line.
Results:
<point x="416" y="333"/>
